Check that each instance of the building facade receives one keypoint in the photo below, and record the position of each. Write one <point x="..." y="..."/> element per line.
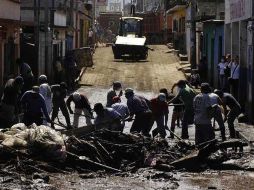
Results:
<point x="115" y="5"/>
<point x="239" y="42"/>
<point x="9" y="38"/>
<point x="178" y="15"/>
<point x="50" y="29"/>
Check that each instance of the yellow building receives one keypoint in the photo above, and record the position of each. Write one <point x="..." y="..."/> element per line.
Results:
<point x="178" y="14"/>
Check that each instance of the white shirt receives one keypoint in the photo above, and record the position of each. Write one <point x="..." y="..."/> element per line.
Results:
<point x="201" y="103"/>
<point x="221" y="68"/>
<point x="235" y="70"/>
<point x="122" y="109"/>
<point x="90" y="34"/>
<point x="213" y="98"/>
<point x="45" y="91"/>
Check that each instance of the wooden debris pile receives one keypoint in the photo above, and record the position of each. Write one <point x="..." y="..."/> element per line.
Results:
<point x="122" y="152"/>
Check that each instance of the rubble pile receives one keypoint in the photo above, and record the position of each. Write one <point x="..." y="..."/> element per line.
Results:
<point x="101" y="150"/>
<point x="125" y="152"/>
<point x="25" y="151"/>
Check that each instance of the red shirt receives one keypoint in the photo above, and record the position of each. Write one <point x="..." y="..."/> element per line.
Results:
<point x="159" y="107"/>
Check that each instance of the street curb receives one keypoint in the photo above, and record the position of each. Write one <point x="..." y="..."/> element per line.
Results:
<point x="241" y="134"/>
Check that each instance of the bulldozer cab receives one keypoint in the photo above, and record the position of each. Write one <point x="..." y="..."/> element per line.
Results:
<point x="131" y="26"/>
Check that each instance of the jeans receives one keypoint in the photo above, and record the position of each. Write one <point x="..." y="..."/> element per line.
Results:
<point x="203" y="133"/>
<point x="232" y="115"/>
<point x="62" y="106"/>
<point x="77" y="114"/>
<point x="176" y="116"/>
<point x="234" y="88"/>
<point x="160" y="126"/>
<point x="188" y="117"/>
<point x="142" y="122"/>
<point x="219" y="119"/>
<point x="30" y="118"/>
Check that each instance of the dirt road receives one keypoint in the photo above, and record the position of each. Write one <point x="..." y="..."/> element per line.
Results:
<point x="151" y="75"/>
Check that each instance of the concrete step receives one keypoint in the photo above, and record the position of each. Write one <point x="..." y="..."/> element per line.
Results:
<point x="170" y="45"/>
<point x="186" y="70"/>
<point x="183" y="62"/>
<point x="245" y="131"/>
<point x="176" y="52"/>
<point x="183" y="57"/>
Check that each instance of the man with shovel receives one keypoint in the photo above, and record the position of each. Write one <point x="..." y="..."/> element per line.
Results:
<point x="186" y="94"/>
<point x="81" y="105"/>
<point x="203" y="110"/>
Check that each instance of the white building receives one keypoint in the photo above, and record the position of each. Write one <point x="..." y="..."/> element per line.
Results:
<point x="115" y="5"/>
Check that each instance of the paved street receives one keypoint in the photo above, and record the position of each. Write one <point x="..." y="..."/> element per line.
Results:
<point x="145" y="77"/>
<point x="151" y="75"/>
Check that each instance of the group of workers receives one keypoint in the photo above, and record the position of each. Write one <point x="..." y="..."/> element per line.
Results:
<point x="38" y="103"/>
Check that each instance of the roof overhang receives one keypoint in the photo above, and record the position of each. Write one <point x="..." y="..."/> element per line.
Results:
<point x="136" y="18"/>
<point x="176" y="8"/>
<point x="214" y="21"/>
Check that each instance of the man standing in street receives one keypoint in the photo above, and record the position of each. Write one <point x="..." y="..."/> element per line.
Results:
<point x="81" y="105"/>
<point x="143" y="116"/>
<point x="59" y="94"/>
<point x="234" y="77"/>
<point x="9" y="101"/>
<point x="34" y="107"/>
<point x="202" y="118"/>
<point x="70" y="67"/>
<point x="235" y="109"/>
<point x="160" y="114"/>
<point x="115" y="91"/>
<point x="216" y="102"/>
<point x="90" y="37"/>
<point x="186" y="94"/>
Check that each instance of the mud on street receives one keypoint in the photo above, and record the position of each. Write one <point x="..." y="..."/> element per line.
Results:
<point x="146" y="78"/>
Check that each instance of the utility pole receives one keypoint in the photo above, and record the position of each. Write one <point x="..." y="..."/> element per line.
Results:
<point x="193" y="5"/>
<point x="37" y="8"/>
<point x="46" y="30"/>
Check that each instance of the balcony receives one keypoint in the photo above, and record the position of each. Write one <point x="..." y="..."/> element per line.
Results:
<point x="6" y="14"/>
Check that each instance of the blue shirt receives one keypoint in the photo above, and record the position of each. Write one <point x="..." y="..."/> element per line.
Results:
<point x="109" y="115"/>
<point x="34" y="103"/>
<point x="137" y="104"/>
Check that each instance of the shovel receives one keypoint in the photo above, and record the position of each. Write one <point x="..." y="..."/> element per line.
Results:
<point x="84" y="158"/>
<point x="180" y="139"/>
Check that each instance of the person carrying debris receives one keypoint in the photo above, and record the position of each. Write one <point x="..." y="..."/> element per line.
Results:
<point x="216" y="102"/>
<point x="186" y="94"/>
<point x="107" y="117"/>
<point x="9" y="101"/>
<point x="115" y="91"/>
<point x="138" y="106"/>
<point x="34" y="107"/>
<point x="81" y="105"/>
<point x="202" y="118"/>
<point x="59" y="94"/>
<point x="121" y="108"/>
<point x="235" y="109"/>
<point x="160" y="114"/>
